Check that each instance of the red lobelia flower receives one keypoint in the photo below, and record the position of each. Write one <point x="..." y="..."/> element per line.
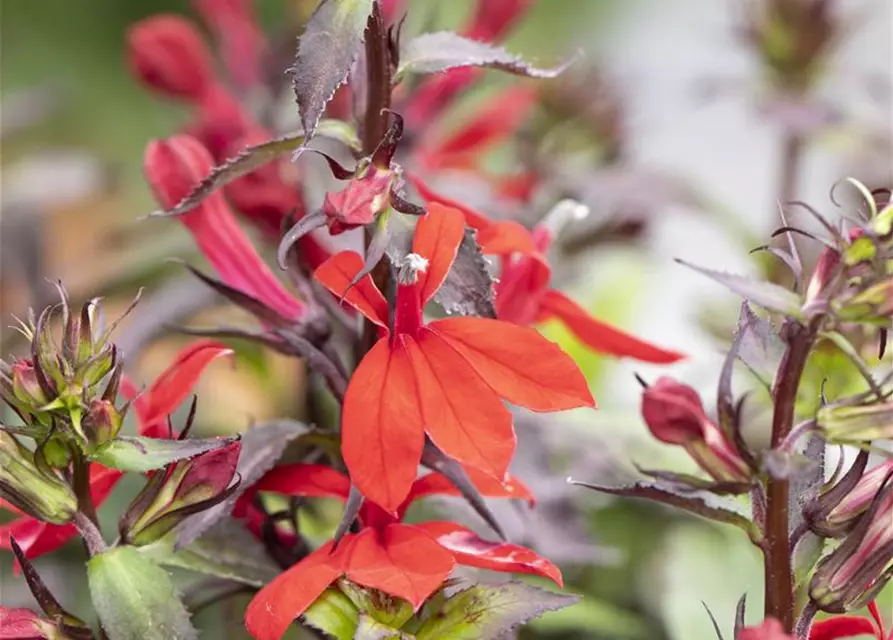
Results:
<point x="851" y="627"/>
<point x="152" y="407"/>
<point x="242" y="42"/>
<point x="173" y="167"/>
<point x="403" y="560"/>
<point x="171" y="387"/>
<point x="523" y="294"/>
<point x="446" y="378"/>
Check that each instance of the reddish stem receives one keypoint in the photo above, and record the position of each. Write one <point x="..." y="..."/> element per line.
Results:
<point x="778" y="571"/>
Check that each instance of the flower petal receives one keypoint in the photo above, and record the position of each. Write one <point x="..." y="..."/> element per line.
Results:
<point x="401" y="560"/>
<point x="463" y="416"/>
<point x="437" y="484"/>
<point x="506" y="237"/>
<point x="298" y="479"/>
<point x="841" y="627"/>
<point x="517" y="363"/>
<point x="174" y="384"/>
<point x="600" y="336"/>
<point x="381" y="426"/>
<point x="473" y="219"/>
<point x="335" y="275"/>
<point x="473" y="551"/>
<point x="275" y="607"/>
<point x="173" y="168"/>
<point x="437" y="238"/>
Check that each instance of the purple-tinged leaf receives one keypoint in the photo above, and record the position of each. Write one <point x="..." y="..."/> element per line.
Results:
<point x="443" y="50"/>
<point x="701" y="504"/>
<point x="712" y="617"/>
<point x="468" y="288"/>
<point x="268" y="316"/>
<point x="327" y="50"/>
<point x="253" y="158"/>
<point x="297" y="231"/>
<point x="491" y="611"/>
<point x="760" y="347"/>
<point x="765" y="294"/>
<point x="262" y="447"/>
<point x="740" y="611"/>
<point x="434" y="459"/>
<point x="139" y="454"/>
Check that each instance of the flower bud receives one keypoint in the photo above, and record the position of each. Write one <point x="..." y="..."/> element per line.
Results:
<point x="26" y="624"/>
<point x="675" y="415"/>
<point x="167" y="54"/>
<point x="824" y="274"/>
<point x="360" y="202"/>
<point x="180" y="490"/>
<point x="33" y="488"/>
<point x="102" y="422"/>
<point x="26" y="386"/>
<point x="855" y="572"/>
<point x="855" y="424"/>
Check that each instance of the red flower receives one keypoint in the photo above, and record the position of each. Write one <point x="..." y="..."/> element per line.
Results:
<point x="161" y="399"/>
<point x="171" y="387"/>
<point x="771" y="629"/>
<point x="446" y="379"/>
<point x="242" y="43"/>
<point x="405" y="561"/>
<point x="24" y="624"/>
<point x="523" y="294"/>
<point x="173" y="167"/>
<point x="850" y="627"/>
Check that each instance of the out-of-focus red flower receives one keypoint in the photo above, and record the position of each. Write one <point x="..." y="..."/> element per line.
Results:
<point x="523" y="294"/>
<point x="24" y="624"/>
<point x="675" y="415"/>
<point x="242" y="43"/>
<point x="490" y="21"/>
<point x="171" y="387"/>
<point x="405" y="561"/>
<point x="167" y="53"/>
<point x="849" y="626"/>
<point x="447" y="378"/>
<point x="173" y="167"/>
<point x="771" y="629"/>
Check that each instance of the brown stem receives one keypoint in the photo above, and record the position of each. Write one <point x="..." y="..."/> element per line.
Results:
<point x="375" y="125"/>
<point x="378" y="79"/>
<point x="777" y="555"/>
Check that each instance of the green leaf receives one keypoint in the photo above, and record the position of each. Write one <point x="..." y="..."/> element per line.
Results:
<point x="436" y="52"/>
<point x="384" y="608"/>
<point x="256" y="156"/>
<point x="135" y="599"/>
<point x="370" y="629"/>
<point x="327" y="49"/>
<point x="482" y="611"/>
<point x="334" y="614"/>
<point x="596" y="619"/>
<point x="765" y="294"/>
<point x="138" y="454"/>
<point x="226" y="550"/>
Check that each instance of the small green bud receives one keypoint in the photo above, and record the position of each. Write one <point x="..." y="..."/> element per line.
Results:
<point x="35" y="489"/>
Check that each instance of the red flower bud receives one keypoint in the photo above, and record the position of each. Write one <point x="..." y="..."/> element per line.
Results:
<point x="167" y="53"/>
<point x="102" y="422"/>
<point x="26" y="385"/>
<point x="673" y="412"/>
<point x="359" y="202"/>
<point x="241" y="41"/>
<point x="180" y="490"/>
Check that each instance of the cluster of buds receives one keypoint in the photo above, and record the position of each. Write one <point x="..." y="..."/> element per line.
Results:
<point x="65" y="394"/>
<point x="792" y="38"/>
<point x="855" y="572"/>
<point x="675" y="415"/>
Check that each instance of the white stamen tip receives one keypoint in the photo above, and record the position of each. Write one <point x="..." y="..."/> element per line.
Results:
<point x="412" y="265"/>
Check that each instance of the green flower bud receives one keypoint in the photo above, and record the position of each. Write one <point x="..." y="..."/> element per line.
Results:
<point x="32" y="487"/>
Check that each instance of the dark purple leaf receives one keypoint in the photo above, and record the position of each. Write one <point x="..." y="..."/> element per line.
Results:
<point x="436" y="52"/>
<point x="468" y="289"/>
<point x="327" y="49"/>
